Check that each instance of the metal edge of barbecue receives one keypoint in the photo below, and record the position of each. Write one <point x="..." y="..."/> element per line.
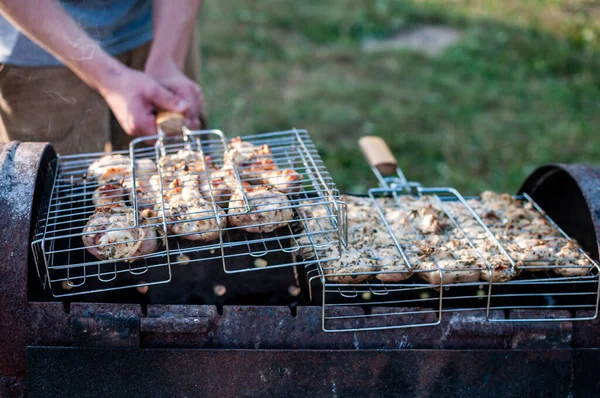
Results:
<point x="348" y="293"/>
<point x="316" y="189"/>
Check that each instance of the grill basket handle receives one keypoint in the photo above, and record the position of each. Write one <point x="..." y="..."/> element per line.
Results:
<point x="378" y="154"/>
<point x="170" y="122"/>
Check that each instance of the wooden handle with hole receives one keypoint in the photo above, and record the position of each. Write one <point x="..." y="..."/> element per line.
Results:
<point x="170" y="122"/>
<point x="378" y="154"/>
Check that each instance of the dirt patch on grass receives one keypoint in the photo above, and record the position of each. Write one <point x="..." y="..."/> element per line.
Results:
<point x="431" y="40"/>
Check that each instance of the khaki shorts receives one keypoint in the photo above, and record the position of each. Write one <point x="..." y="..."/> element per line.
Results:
<point x="53" y="104"/>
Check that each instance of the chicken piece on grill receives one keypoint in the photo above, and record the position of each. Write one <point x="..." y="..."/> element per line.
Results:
<point x="147" y="195"/>
<point x="109" y="194"/>
<point x="574" y="262"/>
<point x="269" y="209"/>
<point x="501" y="268"/>
<point x="185" y="161"/>
<point x="190" y="216"/>
<point x="256" y="166"/>
<point x="145" y="168"/>
<point x="287" y="181"/>
<point x="263" y="170"/>
<point x="213" y="188"/>
<point x="228" y="176"/>
<point x="392" y="266"/>
<point x="354" y="266"/>
<point x="242" y="153"/>
<point x="502" y="271"/>
<point x="110" y="168"/>
<point x="430" y="220"/>
<point x="111" y="230"/>
<point x="463" y="269"/>
<point x="502" y="199"/>
<point x="115" y="171"/>
<point x="533" y="258"/>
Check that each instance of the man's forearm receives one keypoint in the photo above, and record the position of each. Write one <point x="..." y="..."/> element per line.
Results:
<point x="172" y="30"/>
<point x="52" y="28"/>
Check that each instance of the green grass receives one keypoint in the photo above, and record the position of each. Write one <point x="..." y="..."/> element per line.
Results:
<point x="520" y="89"/>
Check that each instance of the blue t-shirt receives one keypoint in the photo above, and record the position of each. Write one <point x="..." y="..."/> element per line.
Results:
<point x="117" y="25"/>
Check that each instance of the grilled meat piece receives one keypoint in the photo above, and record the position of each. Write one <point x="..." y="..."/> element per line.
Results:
<point x="184" y="161"/>
<point x="112" y="230"/>
<point x="573" y="260"/>
<point x="269" y="209"/>
<point x="355" y="266"/>
<point x="118" y="167"/>
<point x="392" y="267"/>
<point x="454" y="269"/>
<point x="110" y="167"/>
<point x="242" y="153"/>
<point x="190" y="216"/>
<point x="287" y="181"/>
<point x="109" y="194"/>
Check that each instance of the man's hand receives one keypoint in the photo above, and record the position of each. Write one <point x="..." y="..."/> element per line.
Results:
<point x="168" y="75"/>
<point x="133" y="97"/>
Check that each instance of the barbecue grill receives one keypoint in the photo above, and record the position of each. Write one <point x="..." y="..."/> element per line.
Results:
<point x="209" y="331"/>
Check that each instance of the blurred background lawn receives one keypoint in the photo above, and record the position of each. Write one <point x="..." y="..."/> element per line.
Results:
<point x="519" y="89"/>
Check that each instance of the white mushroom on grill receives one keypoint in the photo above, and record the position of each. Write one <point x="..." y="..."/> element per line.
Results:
<point x="269" y="209"/>
<point x="110" y="234"/>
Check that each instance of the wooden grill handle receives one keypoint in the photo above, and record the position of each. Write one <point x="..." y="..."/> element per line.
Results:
<point x="378" y="154"/>
<point x="170" y="122"/>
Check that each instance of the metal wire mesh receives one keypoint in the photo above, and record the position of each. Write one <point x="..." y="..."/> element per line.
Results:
<point x="94" y="230"/>
<point x="555" y="279"/>
<point x="470" y="263"/>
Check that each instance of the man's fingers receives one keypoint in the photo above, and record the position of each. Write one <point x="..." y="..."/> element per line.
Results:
<point x="192" y="123"/>
<point x="163" y="98"/>
<point x="143" y="123"/>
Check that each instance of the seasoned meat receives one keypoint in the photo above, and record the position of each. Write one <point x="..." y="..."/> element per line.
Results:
<point x="269" y="209"/>
<point x="109" y="194"/>
<point x="211" y="189"/>
<point x="241" y="153"/>
<point x="118" y="168"/>
<point x="287" y="181"/>
<point x="392" y="267"/>
<point x="502" y="271"/>
<point x="355" y="266"/>
<point x="574" y="262"/>
<point x="185" y="161"/>
<point x="111" y="230"/>
<point x="460" y="268"/>
<point x="110" y="168"/>
<point x="192" y="218"/>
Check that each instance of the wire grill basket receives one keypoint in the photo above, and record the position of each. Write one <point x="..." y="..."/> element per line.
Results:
<point x="427" y="251"/>
<point x="121" y="221"/>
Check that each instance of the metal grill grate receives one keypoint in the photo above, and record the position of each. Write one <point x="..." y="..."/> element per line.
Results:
<point x="184" y="191"/>
<point x="410" y="276"/>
